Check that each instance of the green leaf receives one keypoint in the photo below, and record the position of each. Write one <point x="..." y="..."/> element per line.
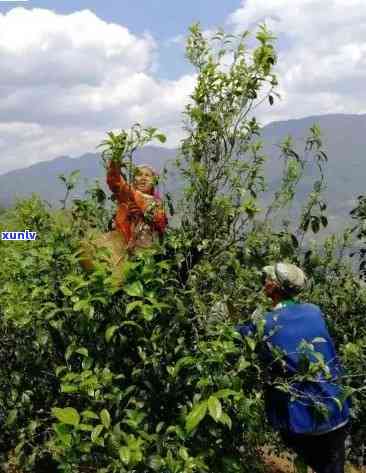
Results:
<point x="135" y="289"/>
<point x="80" y="305"/>
<point x="161" y="137"/>
<point x="125" y="455"/>
<point x="105" y="418"/>
<point x="148" y="312"/>
<point x="60" y="369"/>
<point x="224" y="393"/>
<point x="128" y="268"/>
<point x="69" y="388"/>
<point x="89" y="415"/>
<point x="132" y="305"/>
<point x="214" y="408"/>
<point x="243" y="364"/>
<point x="305" y="224"/>
<point x="110" y="332"/>
<point x="155" y="462"/>
<point x="196" y="415"/>
<point x="183" y="453"/>
<point x="69" y="351"/>
<point x="85" y="427"/>
<point x="131" y="323"/>
<point x="11" y="418"/>
<point x="65" y="291"/>
<point x="96" y="432"/>
<point x="82" y="351"/>
<point x="87" y="363"/>
<point x="68" y="415"/>
<point x="63" y="434"/>
<point x="225" y="419"/>
<point x="315" y="225"/>
<point x="323" y="206"/>
<point x="251" y="342"/>
<point x="324" y="221"/>
<point x="159" y="427"/>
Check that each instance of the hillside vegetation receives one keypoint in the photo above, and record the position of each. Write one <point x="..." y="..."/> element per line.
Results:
<point x="152" y="377"/>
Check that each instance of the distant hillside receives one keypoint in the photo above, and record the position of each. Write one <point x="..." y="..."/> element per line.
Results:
<point x="344" y="138"/>
<point x="42" y="178"/>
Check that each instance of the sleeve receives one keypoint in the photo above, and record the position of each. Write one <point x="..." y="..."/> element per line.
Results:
<point x="114" y="177"/>
<point x="117" y="184"/>
<point x="246" y="329"/>
<point x="159" y="218"/>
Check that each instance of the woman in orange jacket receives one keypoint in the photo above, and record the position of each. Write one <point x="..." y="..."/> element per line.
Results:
<point x="140" y="218"/>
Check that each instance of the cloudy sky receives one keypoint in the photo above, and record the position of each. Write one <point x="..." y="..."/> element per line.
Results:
<point x="71" y="70"/>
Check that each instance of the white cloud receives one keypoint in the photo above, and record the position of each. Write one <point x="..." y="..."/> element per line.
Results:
<point x="67" y="79"/>
<point x="40" y="47"/>
<point x="322" y="55"/>
<point x="23" y="144"/>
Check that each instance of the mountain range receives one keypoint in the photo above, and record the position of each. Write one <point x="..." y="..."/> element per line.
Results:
<point x="344" y="138"/>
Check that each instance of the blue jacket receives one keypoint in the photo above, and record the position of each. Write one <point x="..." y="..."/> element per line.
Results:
<point x="284" y="329"/>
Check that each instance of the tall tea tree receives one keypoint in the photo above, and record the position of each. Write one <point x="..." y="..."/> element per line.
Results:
<point x="221" y="153"/>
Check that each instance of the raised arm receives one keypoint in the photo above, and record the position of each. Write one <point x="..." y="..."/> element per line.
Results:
<point x="114" y="177"/>
<point x="117" y="184"/>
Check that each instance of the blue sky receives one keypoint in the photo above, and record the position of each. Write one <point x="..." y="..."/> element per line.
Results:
<point x="72" y="70"/>
<point x="164" y="19"/>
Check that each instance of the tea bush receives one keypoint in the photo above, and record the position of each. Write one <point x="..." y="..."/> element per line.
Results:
<point x="151" y="376"/>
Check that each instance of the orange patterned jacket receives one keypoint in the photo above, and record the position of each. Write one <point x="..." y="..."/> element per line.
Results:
<point x="126" y="221"/>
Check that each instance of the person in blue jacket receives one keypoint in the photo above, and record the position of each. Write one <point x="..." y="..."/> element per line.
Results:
<point x="309" y="411"/>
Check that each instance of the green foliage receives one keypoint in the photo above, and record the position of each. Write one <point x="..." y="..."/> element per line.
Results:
<point x="70" y="183"/>
<point x="119" y="147"/>
<point x="151" y="376"/>
<point x="359" y="214"/>
<point x="220" y="132"/>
